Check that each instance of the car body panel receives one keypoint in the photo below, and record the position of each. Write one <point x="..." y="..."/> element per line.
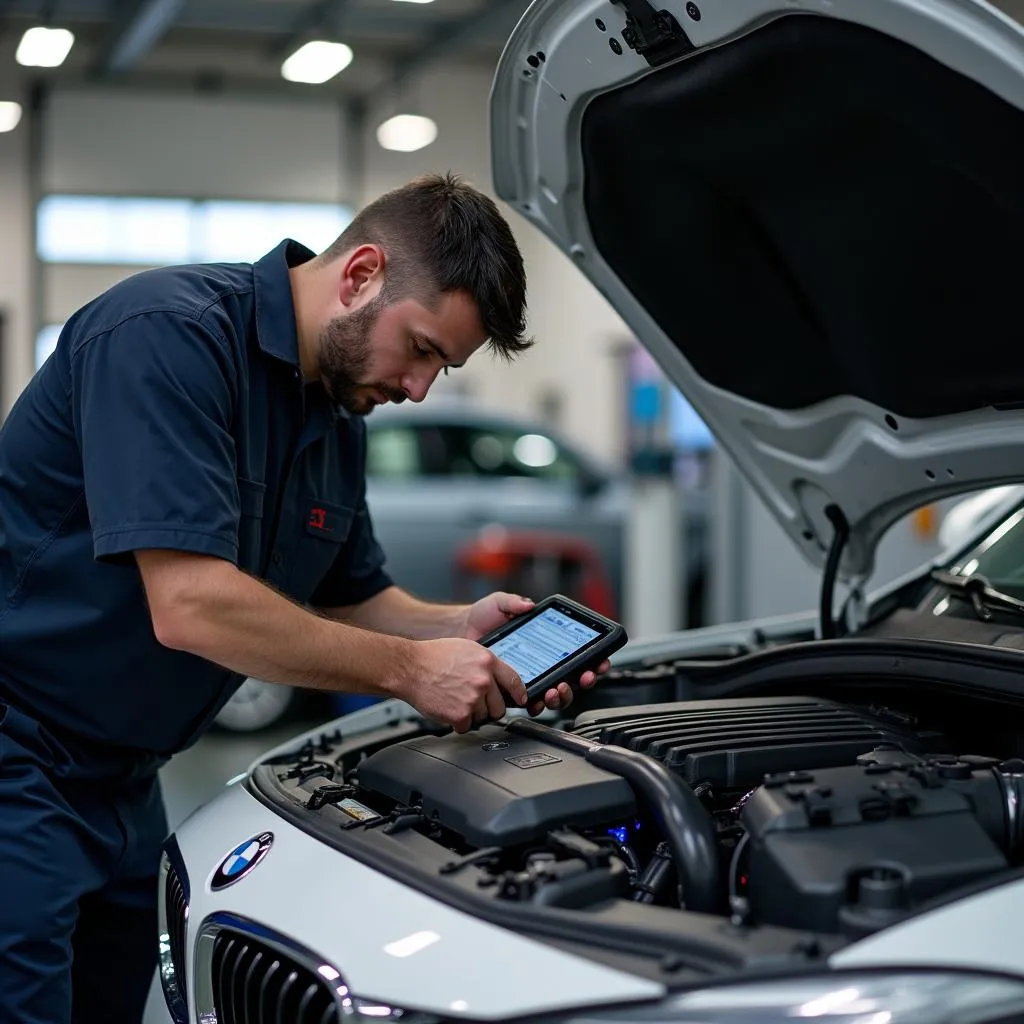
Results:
<point x="982" y="932"/>
<point x="341" y="916"/>
<point x="840" y="451"/>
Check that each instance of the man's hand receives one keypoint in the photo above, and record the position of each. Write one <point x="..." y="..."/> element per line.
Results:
<point x="459" y="683"/>
<point x="495" y="610"/>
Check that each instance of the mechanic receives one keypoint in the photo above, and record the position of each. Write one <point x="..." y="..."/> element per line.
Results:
<point x="182" y="505"/>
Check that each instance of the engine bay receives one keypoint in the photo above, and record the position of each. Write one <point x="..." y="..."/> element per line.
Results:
<point x="776" y="817"/>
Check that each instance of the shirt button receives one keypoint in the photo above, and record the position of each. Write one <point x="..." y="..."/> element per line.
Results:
<point x="277" y="559"/>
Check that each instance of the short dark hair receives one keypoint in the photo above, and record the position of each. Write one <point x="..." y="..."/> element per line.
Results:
<point x="440" y="234"/>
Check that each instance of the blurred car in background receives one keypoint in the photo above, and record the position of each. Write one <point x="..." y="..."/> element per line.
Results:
<point x="440" y="473"/>
<point x="447" y="474"/>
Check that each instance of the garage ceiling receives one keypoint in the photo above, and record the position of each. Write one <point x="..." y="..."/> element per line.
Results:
<point x="238" y="45"/>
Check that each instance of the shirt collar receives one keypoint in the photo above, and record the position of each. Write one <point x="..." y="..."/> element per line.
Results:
<point x="275" y="308"/>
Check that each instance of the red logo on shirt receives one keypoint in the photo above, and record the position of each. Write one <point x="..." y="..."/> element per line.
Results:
<point x="318" y="518"/>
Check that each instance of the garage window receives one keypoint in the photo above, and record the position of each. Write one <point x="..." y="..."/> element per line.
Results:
<point x="140" y="231"/>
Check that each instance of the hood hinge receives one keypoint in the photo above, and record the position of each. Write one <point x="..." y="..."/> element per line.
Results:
<point x="855" y="609"/>
<point x="655" y="35"/>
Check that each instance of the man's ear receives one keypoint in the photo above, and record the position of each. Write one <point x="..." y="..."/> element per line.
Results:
<point x="361" y="274"/>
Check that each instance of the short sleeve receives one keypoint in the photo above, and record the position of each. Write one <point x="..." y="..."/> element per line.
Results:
<point x="153" y="401"/>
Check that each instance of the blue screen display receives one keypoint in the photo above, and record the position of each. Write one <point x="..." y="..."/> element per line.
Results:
<point x="542" y="642"/>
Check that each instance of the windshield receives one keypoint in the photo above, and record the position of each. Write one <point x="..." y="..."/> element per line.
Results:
<point x="1000" y="556"/>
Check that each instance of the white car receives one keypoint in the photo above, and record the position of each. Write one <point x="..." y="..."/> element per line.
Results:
<point x="810" y="212"/>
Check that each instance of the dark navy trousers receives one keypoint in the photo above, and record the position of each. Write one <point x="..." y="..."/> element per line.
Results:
<point x="79" y="855"/>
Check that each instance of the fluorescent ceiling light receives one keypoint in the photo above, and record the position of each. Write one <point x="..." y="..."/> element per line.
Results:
<point x="406" y="132"/>
<point x="10" y="115"/>
<point x="417" y="1"/>
<point x="44" y="47"/>
<point x="316" y="62"/>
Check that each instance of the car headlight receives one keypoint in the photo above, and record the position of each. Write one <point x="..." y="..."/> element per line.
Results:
<point x="899" y="997"/>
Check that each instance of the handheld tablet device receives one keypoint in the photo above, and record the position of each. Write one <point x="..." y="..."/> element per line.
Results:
<point x="558" y="639"/>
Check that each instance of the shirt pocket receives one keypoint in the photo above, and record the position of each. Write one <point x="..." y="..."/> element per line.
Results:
<point x="323" y="528"/>
<point x="251" y="496"/>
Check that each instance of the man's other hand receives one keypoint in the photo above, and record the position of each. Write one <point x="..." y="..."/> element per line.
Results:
<point x="560" y="697"/>
<point x="493" y="611"/>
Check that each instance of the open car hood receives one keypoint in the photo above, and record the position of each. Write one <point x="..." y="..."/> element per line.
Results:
<point x="811" y="213"/>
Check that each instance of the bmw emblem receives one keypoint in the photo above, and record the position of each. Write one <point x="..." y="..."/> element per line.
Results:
<point x="241" y="860"/>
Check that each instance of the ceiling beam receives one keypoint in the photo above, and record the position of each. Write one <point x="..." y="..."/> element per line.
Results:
<point x="448" y="41"/>
<point x="320" y="16"/>
<point x="132" y="37"/>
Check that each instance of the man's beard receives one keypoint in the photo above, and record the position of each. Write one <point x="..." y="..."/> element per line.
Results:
<point x="344" y="359"/>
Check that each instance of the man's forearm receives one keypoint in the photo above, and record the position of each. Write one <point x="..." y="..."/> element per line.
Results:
<point x="397" y="612"/>
<point x="226" y="616"/>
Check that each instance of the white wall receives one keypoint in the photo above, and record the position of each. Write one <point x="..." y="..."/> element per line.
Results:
<point x="202" y="146"/>
<point x="16" y="300"/>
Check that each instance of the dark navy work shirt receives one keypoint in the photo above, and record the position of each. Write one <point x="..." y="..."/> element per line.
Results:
<point x="172" y="415"/>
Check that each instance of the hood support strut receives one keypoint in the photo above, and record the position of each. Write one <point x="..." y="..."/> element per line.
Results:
<point x="656" y="35"/>
<point x="840" y="535"/>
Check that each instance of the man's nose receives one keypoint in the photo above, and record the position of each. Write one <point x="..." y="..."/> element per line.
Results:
<point x="416" y="385"/>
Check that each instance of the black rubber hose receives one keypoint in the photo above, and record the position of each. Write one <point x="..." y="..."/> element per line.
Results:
<point x="681" y="817"/>
<point x="1011" y="778"/>
<point x="678" y="813"/>
<point x="840" y="536"/>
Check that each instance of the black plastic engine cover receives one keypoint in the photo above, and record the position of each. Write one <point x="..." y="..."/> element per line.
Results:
<point x="851" y="849"/>
<point x="734" y="742"/>
<point x="497" y="789"/>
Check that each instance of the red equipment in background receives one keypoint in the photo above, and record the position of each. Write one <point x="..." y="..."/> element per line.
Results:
<point x="534" y="564"/>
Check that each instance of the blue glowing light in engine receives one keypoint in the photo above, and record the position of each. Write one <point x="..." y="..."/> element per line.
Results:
<point x="621" y="834"/>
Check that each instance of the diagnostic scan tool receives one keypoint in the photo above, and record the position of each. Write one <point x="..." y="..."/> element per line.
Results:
<point x="558" y="639"/>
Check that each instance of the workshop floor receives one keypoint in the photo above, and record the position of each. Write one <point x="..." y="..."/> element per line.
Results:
<point x="199" y="773"/>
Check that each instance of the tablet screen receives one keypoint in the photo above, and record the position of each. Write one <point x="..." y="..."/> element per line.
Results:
<point x="542" y="642"/>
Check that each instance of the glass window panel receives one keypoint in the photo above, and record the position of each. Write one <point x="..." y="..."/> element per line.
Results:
<point x="111" y="229"/>
<point x="230" y="231"/>
<point x="156" y="232"/>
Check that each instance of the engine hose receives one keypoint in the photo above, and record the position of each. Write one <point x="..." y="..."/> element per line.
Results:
<point x="676" y="809"/>
<point x="653" y="883"/>
<point x="1012" y="783"/>
<point x="631" y="860"/>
